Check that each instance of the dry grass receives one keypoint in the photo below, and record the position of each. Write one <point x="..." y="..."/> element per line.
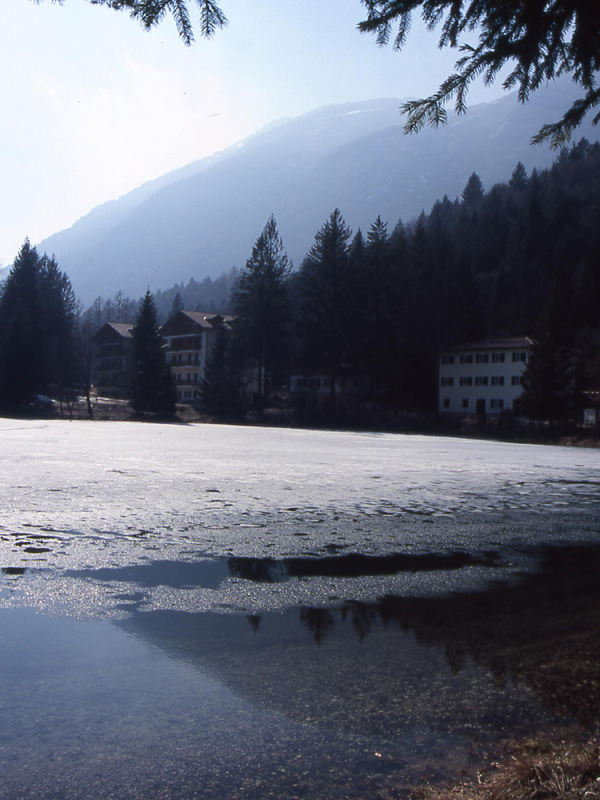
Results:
<point x="535" y="769"/>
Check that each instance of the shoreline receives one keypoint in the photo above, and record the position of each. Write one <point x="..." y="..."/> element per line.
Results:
<point x="501" y="429"/>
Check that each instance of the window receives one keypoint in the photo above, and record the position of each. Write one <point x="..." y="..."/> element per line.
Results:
<point x="466" y="358"/>
<point x="516" y="380"/>
<point x="482" y="358"/>
<point x="482" y="380"/>
<point x="447" y="381"/>
<point x="497" y="404"/>
<point x="465" y="402"/>
<point x="446" y="402"/>
<point x="466" y="381"/>
<point x="497" y="380"/>
<point x="519" y="356"/>
<point x="498" y="358"/>
<point x="447" y="359"/>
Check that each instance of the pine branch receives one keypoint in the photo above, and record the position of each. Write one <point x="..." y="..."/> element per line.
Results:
<point x="211" y="18"/>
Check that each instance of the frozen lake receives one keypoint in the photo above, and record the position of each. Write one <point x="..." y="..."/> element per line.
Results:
<point x="215" y="611"/>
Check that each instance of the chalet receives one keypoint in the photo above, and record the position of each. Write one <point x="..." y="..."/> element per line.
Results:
<point x="482" y="378"/>
<point x="111" y="366"/>
<point x="189" y="337"/>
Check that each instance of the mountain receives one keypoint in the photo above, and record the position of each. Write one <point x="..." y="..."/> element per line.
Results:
<point x="204" y="218"/>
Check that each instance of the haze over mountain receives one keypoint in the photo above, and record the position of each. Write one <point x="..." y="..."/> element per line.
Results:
<point x="204" y="218"/>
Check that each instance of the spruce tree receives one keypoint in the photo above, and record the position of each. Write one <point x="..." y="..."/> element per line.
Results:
<point x="176" y="305"/>
<point x="262" y="308"/>
<point x="152" y="386"/>
<point x="221" y="390"/>
<point x="473" y="192"/>
<point x="59" y="323"/>
<point x="38" y="330"/>
<point x="519" y="179"/>
<point x="324" y="286"/>
<point x="22" y="368"/>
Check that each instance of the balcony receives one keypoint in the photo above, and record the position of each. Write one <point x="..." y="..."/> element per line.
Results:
<point x="178" y="345"/>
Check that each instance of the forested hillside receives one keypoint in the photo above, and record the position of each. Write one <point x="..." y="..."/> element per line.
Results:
<point x="520" y="259"/>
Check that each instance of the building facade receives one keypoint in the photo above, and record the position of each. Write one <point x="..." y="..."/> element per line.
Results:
<point x="483" y="377"/>
<point x="189" y="337"/>
<point x="111" y="366"/>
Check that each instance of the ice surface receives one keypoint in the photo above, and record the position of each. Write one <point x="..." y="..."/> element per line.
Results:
<point x="81" y="497"/>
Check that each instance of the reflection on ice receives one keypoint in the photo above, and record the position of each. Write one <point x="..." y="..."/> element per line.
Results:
<point x="362" y="696"/>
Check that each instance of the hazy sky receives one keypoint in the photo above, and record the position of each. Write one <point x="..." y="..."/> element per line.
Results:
<point x="94" y="105"/>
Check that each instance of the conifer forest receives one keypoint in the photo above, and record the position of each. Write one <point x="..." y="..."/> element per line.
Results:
<point x="521" y="258"/>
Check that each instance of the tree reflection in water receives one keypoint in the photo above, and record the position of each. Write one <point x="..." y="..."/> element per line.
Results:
<point x="544" y="631"/>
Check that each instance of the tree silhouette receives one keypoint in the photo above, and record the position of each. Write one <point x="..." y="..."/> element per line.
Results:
<point x="152" y="384"/>
<point x="38" y="327"/>
<point x="261" y="307"/>
<point x="324" y="287"/>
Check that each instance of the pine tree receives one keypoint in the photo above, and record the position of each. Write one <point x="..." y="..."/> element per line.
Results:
<point x="375" y="349"/>
<point x="176" y="305"/>
<point x="324" y="287"/>
<point x="152" y="385"/>
<point x="519" y="179"/>
<point x="473" y="192"/>
<point x="262" y="308"/>
<point x="222" y="387"/>
<point x="22" y="368"/>
<point x="38" y="330"/>
<point x="548" y="381"/>
<point x="59" y="323"/>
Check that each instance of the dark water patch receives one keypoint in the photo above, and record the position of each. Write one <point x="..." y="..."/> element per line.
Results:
<point x="13" y="571"/>
<point x="353" y="565"/>
<point x="210" y="573"/>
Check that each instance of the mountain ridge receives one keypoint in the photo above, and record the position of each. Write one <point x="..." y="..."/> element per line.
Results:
<point x="203" y="218"/>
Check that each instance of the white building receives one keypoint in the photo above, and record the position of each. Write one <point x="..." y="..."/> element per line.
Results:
<point x="482" y="378"/>
<point x="189" y="337"/>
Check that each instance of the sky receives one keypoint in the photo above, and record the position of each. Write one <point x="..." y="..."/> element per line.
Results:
<point x="94" y="105"/>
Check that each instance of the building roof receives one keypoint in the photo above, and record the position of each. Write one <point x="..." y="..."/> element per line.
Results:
<point x="516" y="343"/>
<point x="112" y="332"/>
<point x="206" y="319"/>
<point x="185" y="323"/>
<point x="124" y="329"/>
